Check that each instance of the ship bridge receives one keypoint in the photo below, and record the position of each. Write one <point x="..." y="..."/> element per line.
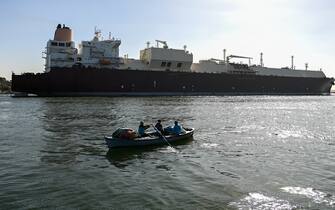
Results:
<point x="100" y="52"/>
<point x="165" y="58"/>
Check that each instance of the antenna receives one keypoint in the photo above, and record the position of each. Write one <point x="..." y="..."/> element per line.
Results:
<point x="148" y="44"/>
<point x="306" y="66"/>
<point x="261" y="60"/>
<point x="224" y="55"/>
<point x="110" y="35"/>
<point x="185" y="47"/>
<point x="97" y="32"/>
<point x="292" y="62"/>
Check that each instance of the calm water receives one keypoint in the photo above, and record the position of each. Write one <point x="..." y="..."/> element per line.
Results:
<point x="248" y="152"/>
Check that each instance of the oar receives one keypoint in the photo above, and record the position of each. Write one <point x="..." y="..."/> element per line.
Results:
<point x="162" y="136"/>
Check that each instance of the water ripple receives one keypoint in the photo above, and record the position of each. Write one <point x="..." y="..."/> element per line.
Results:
<point x="245" y="148"/>
<point x="316" y="195"/>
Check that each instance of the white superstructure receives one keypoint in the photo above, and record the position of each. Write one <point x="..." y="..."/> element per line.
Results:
<point x="98" y="53"/>
<point x="166" y="58"/>
<point x="61" y="51"/>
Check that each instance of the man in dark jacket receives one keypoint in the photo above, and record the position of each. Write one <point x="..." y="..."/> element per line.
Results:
<point x="159" y="126"/>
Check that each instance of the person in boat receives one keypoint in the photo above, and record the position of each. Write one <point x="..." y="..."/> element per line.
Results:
<point x="142" y="128"/>
<point x="177" y="129"/>
<point x="159" y="126"/>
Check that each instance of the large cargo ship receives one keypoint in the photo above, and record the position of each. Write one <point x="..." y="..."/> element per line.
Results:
<point x="96" y="69"/>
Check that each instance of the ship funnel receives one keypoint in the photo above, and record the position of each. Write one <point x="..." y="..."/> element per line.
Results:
<point x="63" y="34"/>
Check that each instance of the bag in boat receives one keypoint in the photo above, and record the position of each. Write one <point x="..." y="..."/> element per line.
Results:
<point x="124" y="133"/>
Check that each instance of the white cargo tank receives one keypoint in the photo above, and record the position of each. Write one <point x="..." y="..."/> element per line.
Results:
<point x="210" y="66"/>
<point x="225" y="66"/>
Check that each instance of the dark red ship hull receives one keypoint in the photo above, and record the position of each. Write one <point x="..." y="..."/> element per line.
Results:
<point x="113" y="82"/>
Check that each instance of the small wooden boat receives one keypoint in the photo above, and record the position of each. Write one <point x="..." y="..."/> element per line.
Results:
<point x="152" y="139"/>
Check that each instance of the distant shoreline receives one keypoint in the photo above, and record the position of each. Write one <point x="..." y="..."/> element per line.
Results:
<point x="5" y="86"/>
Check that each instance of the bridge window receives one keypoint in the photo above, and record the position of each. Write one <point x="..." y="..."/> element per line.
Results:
<point x="179" y="65"/>
<point x="61" y="44"/>
<point x="168" y="64"/>
<point x="68" y="44"/>
<point x="163" y="64"/>
<point x="54" y="44"/>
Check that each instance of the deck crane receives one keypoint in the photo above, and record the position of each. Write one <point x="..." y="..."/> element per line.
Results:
<point x="165" y="46"/>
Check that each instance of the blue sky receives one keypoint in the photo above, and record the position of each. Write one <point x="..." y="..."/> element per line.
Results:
<point x="278" y="28"/>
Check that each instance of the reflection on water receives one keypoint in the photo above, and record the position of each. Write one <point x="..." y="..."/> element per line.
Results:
<point x="247" y="153"/>
<point x="119" y="156"/>
<point x="259" y="201"/>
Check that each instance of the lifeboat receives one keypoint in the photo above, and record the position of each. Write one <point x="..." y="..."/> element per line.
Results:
<point x="104" y="61"/>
